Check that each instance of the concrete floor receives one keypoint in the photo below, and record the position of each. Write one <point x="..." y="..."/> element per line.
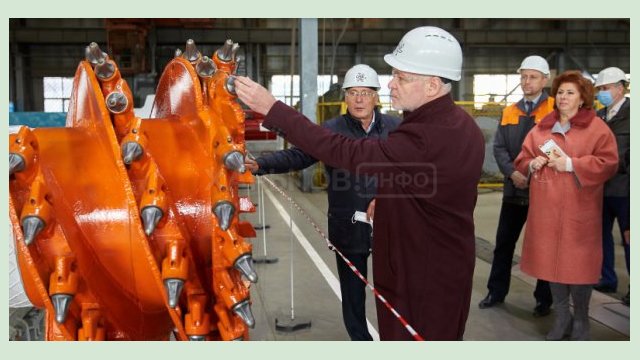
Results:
<point x="316" y="293"/>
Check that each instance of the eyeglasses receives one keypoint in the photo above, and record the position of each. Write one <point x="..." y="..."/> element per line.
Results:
<point x="363" y="93"/>
<point x="403" y="78"/>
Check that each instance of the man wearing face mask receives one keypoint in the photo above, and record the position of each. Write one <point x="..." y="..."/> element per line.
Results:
<point x="611" y="85"/>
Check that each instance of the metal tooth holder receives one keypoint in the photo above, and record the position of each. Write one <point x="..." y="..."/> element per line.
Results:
<point x="31" y="227"/>
<point x="116" y="102"/>
<point x="239" y="59"/>
<point x="150" y="217"/>
<point x="174" y="289"/>
<point x="61" y="303"/>
<point x="191" y="52"/>
<point x="206" y="67"/>
<point x="244" y="264"/>
<point x="234" y="161"/>
<point x="225" y="52"/>
<point x="234" y="50"/>
<point x="243" y="310"/>
<point x="93" y="54"/>
<point x="16" y="163"/>
<point x="224" y="211"/>
<point x="230" y="85"/>
<point x="105" y="69"/>
<point x="131" y="151"/>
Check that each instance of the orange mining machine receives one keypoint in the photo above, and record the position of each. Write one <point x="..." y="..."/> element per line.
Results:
<point x="128" y="228"/>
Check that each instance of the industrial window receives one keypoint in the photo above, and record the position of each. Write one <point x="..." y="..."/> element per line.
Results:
<point x="384" y="94"/>
<point x="280" y="87"/>
<point x="57" y="91"/>
<point x="488" y="88"/>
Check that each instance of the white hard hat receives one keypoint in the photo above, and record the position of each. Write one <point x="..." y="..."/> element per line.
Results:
<point x="428" y="50"/>
<point x="535" y="62"/>
<point x="361" y="75"/>
<point x="610" y="75"/>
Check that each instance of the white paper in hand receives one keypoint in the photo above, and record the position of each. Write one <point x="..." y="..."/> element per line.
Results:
<point x="548" y="149"/>
<point x="362" y="217"/>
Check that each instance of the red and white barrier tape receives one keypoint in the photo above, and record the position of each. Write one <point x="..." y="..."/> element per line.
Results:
<point x="395" y="313"/>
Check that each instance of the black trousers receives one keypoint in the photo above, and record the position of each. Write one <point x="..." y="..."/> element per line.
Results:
<point x="512" y="219"/>
<point x="613" y="207"/>
<point x="353" y="296"/>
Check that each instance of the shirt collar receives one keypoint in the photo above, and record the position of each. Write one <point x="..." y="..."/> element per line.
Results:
<point x="613" y="110"/>
<point x="357" y="123"/>
<point x="559" y="128"/>
<point x="535" y="100"/>
<point x="373" y="121"/>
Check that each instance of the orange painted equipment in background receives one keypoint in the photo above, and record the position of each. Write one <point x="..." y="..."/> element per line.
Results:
<point x="129" y="228"/>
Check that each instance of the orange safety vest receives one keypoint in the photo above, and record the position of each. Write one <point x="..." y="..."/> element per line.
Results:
<point x="511" y="114"/>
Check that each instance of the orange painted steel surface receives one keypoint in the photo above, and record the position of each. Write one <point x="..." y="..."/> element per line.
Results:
<point x="128" y="228"/>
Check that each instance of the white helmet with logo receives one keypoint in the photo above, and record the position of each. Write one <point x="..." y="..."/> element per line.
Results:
<point x="361" y="75"/>
<point x="428" y="50"/>
<point x="610" y="75"/>
<point x="535" y="62"/>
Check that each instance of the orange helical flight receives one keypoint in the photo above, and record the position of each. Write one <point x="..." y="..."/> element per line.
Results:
<point x="129" y="228"/>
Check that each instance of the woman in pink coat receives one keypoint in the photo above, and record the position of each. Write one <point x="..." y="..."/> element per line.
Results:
<point x="569" y="155"/>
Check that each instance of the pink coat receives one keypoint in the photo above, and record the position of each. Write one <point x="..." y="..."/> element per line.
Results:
<point x="563" y="237"/>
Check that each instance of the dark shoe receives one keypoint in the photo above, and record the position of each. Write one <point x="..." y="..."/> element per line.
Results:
<point x="541" y="310"/>
<point x="627" y="298"/>
<point x="605" y="288"/>
<point x="490" y="301"/>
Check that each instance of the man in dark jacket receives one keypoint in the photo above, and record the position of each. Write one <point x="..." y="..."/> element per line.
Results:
<point x="427" y="172"/>
<point x="611" y="89"/>
<point x="347" y="192"/>
<point x="517" y="119"/>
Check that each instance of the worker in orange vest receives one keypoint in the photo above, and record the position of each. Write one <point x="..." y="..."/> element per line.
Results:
<point x="517" y="120"/>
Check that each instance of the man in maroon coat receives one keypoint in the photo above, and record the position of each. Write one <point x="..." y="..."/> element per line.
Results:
<point x="428" y="171"/>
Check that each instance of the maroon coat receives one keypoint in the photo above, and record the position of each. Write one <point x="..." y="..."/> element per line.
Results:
<point x="563" y="238"/>
<point x="424" y="243"/>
